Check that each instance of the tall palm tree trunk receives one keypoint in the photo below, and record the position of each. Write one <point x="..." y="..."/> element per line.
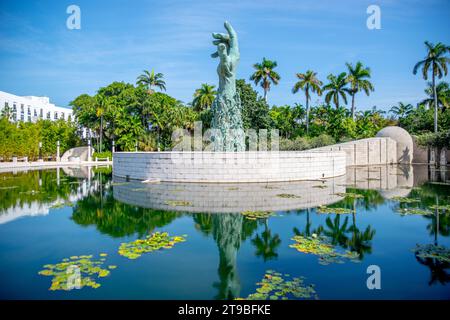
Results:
<point x="435" y="103"/>
<point x="101" y="133"/>
<point x="307" y="111"/>
<point x="353" y="106"/>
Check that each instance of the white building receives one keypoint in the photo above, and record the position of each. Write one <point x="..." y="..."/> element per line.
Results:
<point x="31" y="108"/>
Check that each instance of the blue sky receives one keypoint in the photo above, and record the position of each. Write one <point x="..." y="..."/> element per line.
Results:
<point x="118" y="39"/>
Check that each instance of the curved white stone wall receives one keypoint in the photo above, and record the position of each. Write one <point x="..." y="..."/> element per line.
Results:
<point x="229" y="167"/>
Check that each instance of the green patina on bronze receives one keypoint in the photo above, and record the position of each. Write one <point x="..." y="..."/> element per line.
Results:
<point x="227" y="132"/>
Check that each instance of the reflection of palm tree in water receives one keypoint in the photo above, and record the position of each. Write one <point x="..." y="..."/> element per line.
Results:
<point x="266" y="244"/>
<point x="338" y="229"/>
<point x="360" y="240"/>
<point x="228" y="230"/>
<point x="439" y="225"/>
<point x="307" y="232"/>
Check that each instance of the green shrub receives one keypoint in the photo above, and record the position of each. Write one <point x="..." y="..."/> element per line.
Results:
<point x="104" y="154"/>
<point x="305" y="143"/>
<point x="321" y="141"/>
<point x="438" y="140"/>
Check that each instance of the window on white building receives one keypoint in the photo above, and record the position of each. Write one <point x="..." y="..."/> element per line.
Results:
<point x="14" y="116"/>
<point x="29" y="118"/>
<point x="56" y="116"/>
<point x="29" y="110"/>
<point x="69" y="118"/>
<point x="62" y="115"/>
<point x="35" y="112"/>
<point x="41" y="113"/>
<point x="48" y="115"/>
<point x="22" y="108"/>
<point x="14" y="107"/>
<point x="22" y="117"/>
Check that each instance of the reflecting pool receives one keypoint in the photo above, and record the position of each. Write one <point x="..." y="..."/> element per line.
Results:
<point x="77" y="233"/>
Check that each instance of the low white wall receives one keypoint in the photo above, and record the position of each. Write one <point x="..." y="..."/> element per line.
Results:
<point x="228" y="167"/>
<point x="379" y="150"/>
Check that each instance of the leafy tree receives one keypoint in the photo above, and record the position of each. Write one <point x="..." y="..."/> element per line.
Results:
<point x="436" y="60"/>
<point x="265" y="75"/>
<point x="336" y="88"/>
<point x="358" y="79"/>
<point x="255" y="110"/>
<point x="308" y="81"/>
<point x="150" y="80"/>
<point x="204" y="97"/>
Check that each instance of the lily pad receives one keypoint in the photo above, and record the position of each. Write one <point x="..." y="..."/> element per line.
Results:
<point x="287" y="196"/>
<point x="405" y="200"/>
<point x="274" y="287"/>
<point x="432" y="251"/>
<point x="8" y="188"/>
<point x="155" y="241"/>
<point x="321" y="186"/>
<point x="328" y="210"/>
<point x="321" y="247"/>
<point x="413" y="211"/>
<point x="440" y="207"/>
<point x="349" y="195"/>
<point x="75" y="273"/>
<point x="178" y="203"/>
<point x="254" y="215"/>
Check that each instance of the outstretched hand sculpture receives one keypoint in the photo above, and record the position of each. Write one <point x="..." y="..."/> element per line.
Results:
<point x="228" y="133"/>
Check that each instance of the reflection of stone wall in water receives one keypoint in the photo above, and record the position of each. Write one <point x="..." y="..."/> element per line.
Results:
<point x="391" y="180"/>
<point x="230" y="197"/>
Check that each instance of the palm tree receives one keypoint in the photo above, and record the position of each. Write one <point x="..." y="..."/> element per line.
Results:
<point x="442" y="93"/>
<point x="102" y="106"/>
<point x="204" y="97"/>
<point x="336" y="88"/>
<point x="357" y="78"/>
<point x="308" y="81"/>
<point x="264" y="73"/>
<point x="401" y="110"/>
<point x="151" y="79"/>
<point x="437" y="61"/>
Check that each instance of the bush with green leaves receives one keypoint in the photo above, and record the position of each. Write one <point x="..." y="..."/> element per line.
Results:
<point x="437" y="140"/>
<point x="102" y="155"/>
<point x="22" y="139"/>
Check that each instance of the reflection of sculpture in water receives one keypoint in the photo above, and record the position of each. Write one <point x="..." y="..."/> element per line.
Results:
<point x="228" y="230"/>
<point x="228" y="132"/>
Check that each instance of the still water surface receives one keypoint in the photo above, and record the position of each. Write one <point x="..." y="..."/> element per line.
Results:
<point x="49" y="215"/>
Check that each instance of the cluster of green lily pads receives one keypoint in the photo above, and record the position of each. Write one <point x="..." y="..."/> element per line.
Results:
<point x="413" y="211"/>
<point x="254" y="215"/>
<point x="405" y="200"/>
<point x="350" y="195"/>
<point x="178" y="203"/>
<point x="153" y="242"/>
<point x="274" y="287"/>
<point x="287" y="196"/>
<point x="320" y="247"/>
<point x="437" y="252"/>
<point x="89" y="270"/>
<point x="445" y="207"/>
<point x="328" y="210"/>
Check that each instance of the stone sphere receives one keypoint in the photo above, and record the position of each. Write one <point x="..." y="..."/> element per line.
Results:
<point x="404" y="141"/>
